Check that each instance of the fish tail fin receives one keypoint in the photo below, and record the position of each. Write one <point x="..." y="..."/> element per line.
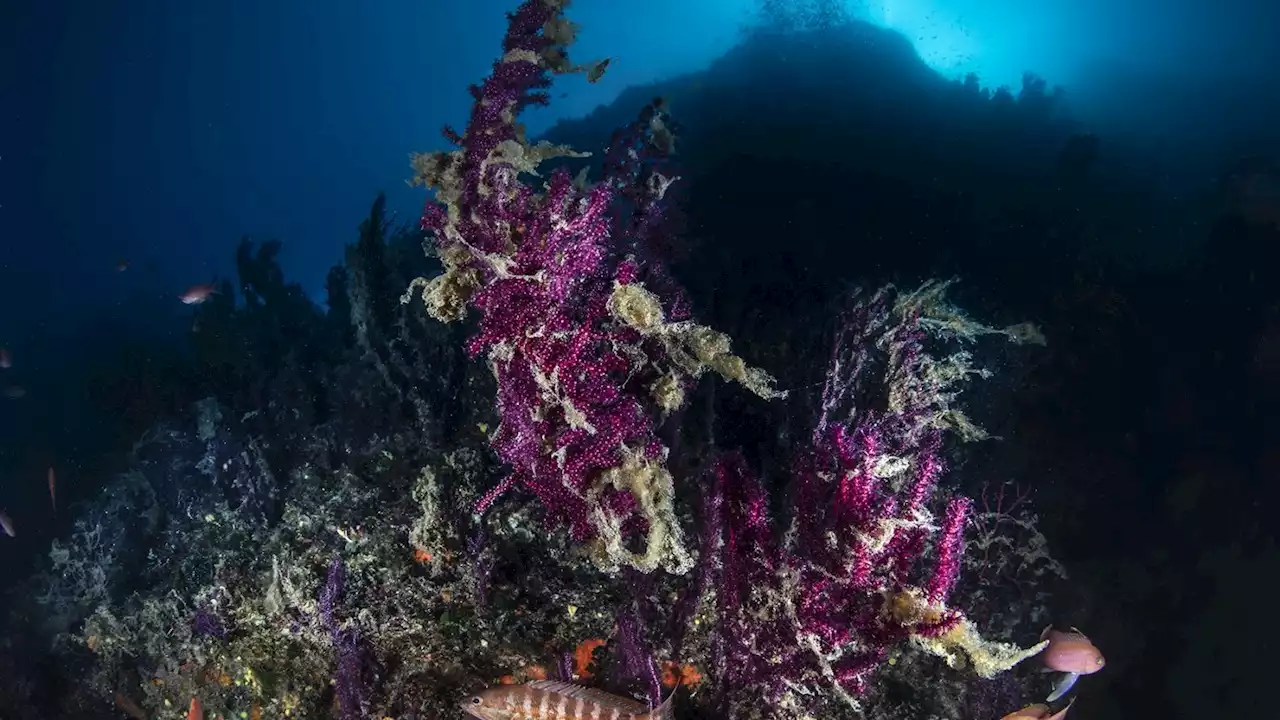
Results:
<point x="665" y="711"/>
<point x="1063" y="686"/>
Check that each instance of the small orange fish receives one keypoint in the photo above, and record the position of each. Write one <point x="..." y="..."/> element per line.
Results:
<point x="6" y="360"/>
<point x="6" y="523"/>
<point x="555" y="700"/>
<point x="53" y="492"/>
<point x="195" y="711"/>
<point x="197" y="294"/>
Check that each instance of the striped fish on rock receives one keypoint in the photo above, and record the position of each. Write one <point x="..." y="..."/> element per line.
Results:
<point x="554" y="700"/>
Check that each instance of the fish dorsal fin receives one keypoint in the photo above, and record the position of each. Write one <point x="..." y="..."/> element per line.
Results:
<point x="665" y="711"/>
<point x="604" y="699"/>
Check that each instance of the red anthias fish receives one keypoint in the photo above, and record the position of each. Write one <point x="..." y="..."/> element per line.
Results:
<point x="553" y="700"/>
<point x="197" y="294"/>
<point x="1072" y="654"/>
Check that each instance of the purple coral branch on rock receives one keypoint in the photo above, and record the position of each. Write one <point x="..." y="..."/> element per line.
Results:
<point x="352" y="681"/>
<point x="637" y="655"/>
<point x="206" y="621"/>
<point x="582" y="327"/>
<point x="823" y="610"/>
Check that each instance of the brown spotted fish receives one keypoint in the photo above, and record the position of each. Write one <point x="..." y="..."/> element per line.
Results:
<point x="553" y="700"/>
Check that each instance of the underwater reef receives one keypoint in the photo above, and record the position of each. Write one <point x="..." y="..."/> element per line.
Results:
<point x="501" y="462"/>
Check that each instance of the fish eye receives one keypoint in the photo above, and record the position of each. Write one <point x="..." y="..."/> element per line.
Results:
<point x="475" y="701"/>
